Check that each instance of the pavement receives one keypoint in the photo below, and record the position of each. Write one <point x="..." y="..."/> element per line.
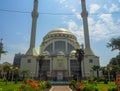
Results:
<point x="60" y="88"/>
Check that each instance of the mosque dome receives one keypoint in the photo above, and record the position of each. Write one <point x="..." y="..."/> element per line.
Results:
<point x="59" y="33"/>
<point x="59" y="41"/>
<point x="60" y="30"/>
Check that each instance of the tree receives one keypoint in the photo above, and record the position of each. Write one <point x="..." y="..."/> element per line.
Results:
<point x="1" y="49"/>
<point x="115" y="62"/>
<point x="96" y="68"/>
<point x="114" y="44"/>
<point x="6" y="69"/>
<point x="24" y="73"/>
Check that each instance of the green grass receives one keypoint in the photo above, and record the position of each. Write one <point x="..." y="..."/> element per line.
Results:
<point x="11" y="86"/>
<point x="102" y="87"/>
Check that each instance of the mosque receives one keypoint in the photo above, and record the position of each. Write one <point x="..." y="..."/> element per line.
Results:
<point x="58" y="50"/>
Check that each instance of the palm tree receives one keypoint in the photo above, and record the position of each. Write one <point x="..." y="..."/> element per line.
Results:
<point x="6" y="69"/>
<point x="1" y="49"/>
<point x="96" y="68"/>
<point x="114" y="44"/>
<point x="24" y="73"/>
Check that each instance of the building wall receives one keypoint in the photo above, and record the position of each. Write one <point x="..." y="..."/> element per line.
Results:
<point x="88" y="63"/>
<point x="29" y="63"/>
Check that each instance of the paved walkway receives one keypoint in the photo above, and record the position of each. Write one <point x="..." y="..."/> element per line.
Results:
<point x="60" y="88"/>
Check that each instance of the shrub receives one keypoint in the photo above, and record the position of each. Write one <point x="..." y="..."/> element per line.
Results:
<point x="113" y="89"/>
<point x="90" y="88"/>
<point x="32" y="85"/>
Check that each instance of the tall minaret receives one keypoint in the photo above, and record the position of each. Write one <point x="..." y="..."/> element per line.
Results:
<point x="84" y="15"/>
<point x="31" y="50"/>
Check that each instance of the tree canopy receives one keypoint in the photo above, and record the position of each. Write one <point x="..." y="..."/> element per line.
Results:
<point x="114" y="44"/>
<point x="115" y="61"/>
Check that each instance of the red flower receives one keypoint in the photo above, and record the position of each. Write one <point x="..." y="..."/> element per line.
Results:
<point x="27" y="81"/>
<point x="33" y="84"/>
<point x="23" y="85"/>
<point x="79" y="85"/>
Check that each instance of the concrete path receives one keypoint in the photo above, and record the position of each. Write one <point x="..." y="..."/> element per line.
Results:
<point x="60" y="88"/>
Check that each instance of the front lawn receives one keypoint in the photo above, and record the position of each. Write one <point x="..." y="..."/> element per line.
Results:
<point x="96" y="86"/>
<point x="10" y="86"/>
<point x="104" y="87"/>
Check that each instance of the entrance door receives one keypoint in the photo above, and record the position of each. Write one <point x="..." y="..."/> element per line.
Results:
<point x="59" y="76"/>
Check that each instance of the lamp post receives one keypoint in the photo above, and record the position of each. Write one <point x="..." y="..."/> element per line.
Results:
<point x="11" y="68"/>
<point x="79" y="55"/>
<point x="14" y="71"/>
<point x="108" y="69"/>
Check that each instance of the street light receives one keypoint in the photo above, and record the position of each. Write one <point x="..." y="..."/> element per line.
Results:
<point x="14" y="71"/>
<point x="11" y="68"/>
<point x="108" y="69"/>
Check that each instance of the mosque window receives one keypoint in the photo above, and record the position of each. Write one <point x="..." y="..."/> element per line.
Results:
<point x="29" y="60"/>
<point x="74" y="65"/>
<point x="70" y="48"/>
<point x="90" y="61"/>
<point x="60" y="46"/>
<point x="49" y="48"/>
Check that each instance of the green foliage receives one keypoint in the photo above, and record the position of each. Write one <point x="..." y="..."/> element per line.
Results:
<point x="90" y="88"/>
<point x="48" y="84"/>
<point x="114" y="44"/>
<point x="2" y="51"/>
<point x="11" y="86"/>
<point x="113" y="89"/>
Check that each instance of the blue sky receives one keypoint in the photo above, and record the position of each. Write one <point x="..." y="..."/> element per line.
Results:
<point x="15" y="24"/>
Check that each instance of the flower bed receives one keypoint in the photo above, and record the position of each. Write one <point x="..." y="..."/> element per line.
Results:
<point x="33" y="85"/>
<point x="85" y="86"/>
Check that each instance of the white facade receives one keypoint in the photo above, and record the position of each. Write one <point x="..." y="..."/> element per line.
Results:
<point x="59" y="62"/>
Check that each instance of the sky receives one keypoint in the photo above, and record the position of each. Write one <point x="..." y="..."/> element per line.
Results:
<point x="16" y="20"/>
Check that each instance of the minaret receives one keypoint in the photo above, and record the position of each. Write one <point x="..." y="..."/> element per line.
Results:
<point x="84" y="15"/>
<point x="31" y="50"/>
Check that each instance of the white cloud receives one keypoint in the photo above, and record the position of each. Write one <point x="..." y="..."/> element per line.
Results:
<point x="98" y="32"/>
<point x="94" y="8"/>
<point x="107" y="18"/>
<point x="75" y="29"/>
<point x="61" y="1"/>
<point x="76" y="13"/>
<point x="91" y="21"/>
<point x="103" y="28"/>
<point x="66" y="4"/>
<point x="114" y="8"/>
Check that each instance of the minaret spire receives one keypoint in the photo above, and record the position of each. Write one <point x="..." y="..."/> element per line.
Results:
<point x="31" y="50"/>
<point x="84" y="15"/>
